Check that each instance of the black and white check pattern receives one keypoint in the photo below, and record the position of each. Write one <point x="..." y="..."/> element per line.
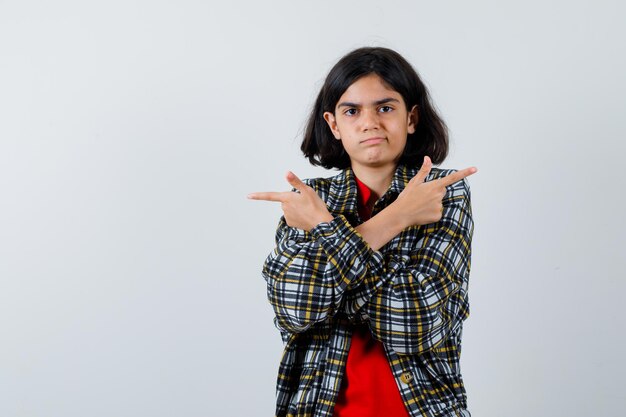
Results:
<point x="412" y="293"/>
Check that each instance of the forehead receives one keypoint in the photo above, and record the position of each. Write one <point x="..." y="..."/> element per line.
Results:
<point x="367" y="89"/>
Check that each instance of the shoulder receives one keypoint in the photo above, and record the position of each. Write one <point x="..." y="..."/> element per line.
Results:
<point x="324" y="185"/>
<point x="319" y="183"/>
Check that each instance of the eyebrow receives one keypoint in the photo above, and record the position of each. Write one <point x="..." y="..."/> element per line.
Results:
<point x="377" y="102"/>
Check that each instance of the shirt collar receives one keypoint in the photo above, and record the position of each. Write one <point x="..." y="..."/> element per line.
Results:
<point x="343" y="192"/>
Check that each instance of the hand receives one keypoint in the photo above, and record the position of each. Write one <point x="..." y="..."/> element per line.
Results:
<point x="421" y="202"/>
<point x="303" y="210"/>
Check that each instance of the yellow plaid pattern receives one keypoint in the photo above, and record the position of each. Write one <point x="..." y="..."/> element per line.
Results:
<point x="412" y="293"/>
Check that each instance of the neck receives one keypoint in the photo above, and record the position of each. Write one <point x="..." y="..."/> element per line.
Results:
<point x="378" y="179"/>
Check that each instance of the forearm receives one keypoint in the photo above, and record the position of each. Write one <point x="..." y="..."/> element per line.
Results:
<point x="381" y="228"/>
<point x="423" y="296"/>
<point x="308" y="273"/>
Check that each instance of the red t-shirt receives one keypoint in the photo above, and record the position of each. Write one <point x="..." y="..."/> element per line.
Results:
<point x="368" y="388"/>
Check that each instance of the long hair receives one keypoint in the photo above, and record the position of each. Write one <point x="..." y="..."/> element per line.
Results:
<point x="431" y="134"/>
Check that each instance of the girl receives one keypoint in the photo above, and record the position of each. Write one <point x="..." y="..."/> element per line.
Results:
<point x="369" y="277"/>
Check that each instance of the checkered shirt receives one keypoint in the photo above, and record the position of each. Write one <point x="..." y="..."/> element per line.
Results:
<point x="412" y="293"/>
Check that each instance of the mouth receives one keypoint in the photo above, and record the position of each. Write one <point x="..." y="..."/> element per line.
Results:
<point x="374" y="140"/>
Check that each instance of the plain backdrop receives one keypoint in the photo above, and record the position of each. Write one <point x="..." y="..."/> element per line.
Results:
<point x="131" y="132"/>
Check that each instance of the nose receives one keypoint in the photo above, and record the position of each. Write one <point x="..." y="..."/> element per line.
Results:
<point x="369" y="119"/>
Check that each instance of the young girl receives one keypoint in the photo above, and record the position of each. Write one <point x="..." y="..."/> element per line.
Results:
<point x="370" y="272"/>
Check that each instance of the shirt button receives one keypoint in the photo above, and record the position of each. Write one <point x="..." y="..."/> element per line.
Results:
<point x="291" y="242"/>
<point x="406" y="377"/>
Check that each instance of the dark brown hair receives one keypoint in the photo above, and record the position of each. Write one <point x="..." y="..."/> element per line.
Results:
<point x="431" y="134"/>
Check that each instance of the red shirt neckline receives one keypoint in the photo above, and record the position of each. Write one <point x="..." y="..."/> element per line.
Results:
<point x="363" y="197"/>
<point x="369" y="388"/>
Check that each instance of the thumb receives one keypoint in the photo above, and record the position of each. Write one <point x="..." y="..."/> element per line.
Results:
<point x="424" y="170"/>
<point x="295" y="181"/>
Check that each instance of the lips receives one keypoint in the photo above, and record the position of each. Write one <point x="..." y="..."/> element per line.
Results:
<point x="373" y="140"/>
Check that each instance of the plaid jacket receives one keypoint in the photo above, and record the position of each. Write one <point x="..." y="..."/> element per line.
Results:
<point x="412" y="293"/>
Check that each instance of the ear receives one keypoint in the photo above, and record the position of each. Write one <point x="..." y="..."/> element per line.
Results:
<point x="332" y="123"/>
<point x="412" y="120"/>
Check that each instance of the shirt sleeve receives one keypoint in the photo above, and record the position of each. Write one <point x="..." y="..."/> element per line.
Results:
<point x="308" y="273"/>
<point x="412" y="302"/>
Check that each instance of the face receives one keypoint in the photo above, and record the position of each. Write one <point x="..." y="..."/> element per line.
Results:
<point x="372" y="123"/>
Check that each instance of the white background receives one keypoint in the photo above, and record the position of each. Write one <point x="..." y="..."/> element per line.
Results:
<point x="131" y="132"/>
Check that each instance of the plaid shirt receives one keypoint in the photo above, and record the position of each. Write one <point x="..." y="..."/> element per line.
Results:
<point x="412" y="293"/>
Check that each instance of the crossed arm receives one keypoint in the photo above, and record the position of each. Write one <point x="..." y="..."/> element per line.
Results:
<point x="411" y="301"/>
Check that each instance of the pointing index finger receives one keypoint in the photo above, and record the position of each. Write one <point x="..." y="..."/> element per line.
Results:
<point x="458" y="175"/>
<point x="269" y="196"/>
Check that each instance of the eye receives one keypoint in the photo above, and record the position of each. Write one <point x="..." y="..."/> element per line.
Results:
<point x="386" y="109"/>
<point x="350" y="112"/>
